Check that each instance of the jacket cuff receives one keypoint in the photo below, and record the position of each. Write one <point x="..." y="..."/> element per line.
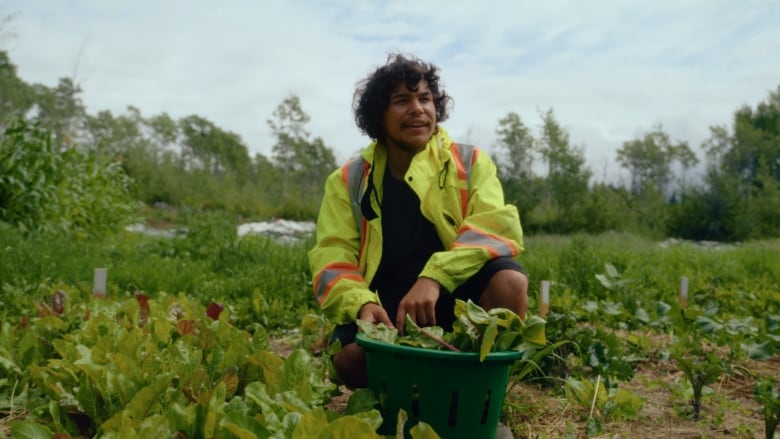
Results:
<point x="356" y="299"/>
<point x="440" y="277"/>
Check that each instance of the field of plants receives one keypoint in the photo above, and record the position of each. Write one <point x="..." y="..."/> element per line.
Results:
<point x="205" y="334"/>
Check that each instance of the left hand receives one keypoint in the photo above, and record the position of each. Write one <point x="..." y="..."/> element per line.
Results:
<point x="420" y="303"/>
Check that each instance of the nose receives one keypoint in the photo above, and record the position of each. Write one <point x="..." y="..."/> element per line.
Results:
<point x="415" y="106"/>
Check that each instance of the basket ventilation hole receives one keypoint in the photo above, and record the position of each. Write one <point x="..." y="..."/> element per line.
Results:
<point x="485" y="409"/>
<point x="453" y="409"/>
<point x="415" y="403"/>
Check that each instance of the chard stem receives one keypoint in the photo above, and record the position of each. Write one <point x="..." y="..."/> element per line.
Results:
<point x="439" y="340"/>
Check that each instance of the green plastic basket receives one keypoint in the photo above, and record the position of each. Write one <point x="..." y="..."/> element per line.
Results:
<point x="459" y="396"/>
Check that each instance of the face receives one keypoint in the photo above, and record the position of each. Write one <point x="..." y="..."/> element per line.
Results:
<point x="410" y="118"/>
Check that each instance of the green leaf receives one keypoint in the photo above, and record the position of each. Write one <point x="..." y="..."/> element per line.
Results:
<point x="535" y="331"/>
<point x="373" y="417"/>
<point x="423" y="431"/>
<point x="182" y="418"/>
<point x="348" y="427"/>
<point x="361" y="400"/>
<point x="9" y="365"/>
<point x="758" y="351"/>
<point x="241" y="425"/>
<point x="89" y="399"/>
<point x="508" y="341"/>
<point x="155" y="426"/>
<point x="506" y="319"/>
<point x="604" y="281"/>
<point x="591" y="306"/>
<point x="488" y="339"/>
<point x="141" y="405"/>
<point x="379" y="331"/>
<point x="708" y="325"/>
<point x="30" y="430"/>
<point x="624" y="404"/>
<point x="311" y="424"/>
<point x="477" y="314"/>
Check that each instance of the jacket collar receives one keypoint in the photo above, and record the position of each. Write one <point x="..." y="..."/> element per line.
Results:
<point x="438" y="147"/>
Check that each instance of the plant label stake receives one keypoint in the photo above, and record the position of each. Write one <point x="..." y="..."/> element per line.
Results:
<point x="544" y="303"/>
<point x="683" y="292"/>
<point x="99" y="284"/>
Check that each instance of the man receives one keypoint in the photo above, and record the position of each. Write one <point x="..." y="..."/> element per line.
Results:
<point x="414" y="222"/>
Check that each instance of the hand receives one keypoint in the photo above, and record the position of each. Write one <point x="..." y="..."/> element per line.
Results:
<point x="374" y="313"/>
<point x="419" y="303"/>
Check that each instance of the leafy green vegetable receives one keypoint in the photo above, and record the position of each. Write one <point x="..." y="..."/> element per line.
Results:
<point x="474" y="330"/>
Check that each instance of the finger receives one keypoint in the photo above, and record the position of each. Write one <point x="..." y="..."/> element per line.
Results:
<point x="400" y="319"/>
<point x="384" y="318"/>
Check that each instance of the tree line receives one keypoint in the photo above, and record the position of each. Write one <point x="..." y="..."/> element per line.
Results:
<point x="192" y="163"/>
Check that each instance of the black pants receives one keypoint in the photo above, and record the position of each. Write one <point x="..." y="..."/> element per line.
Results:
<point x="445" y="306"/>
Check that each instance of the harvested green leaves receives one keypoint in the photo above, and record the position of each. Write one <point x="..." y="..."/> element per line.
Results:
<point x="474" y="330"/>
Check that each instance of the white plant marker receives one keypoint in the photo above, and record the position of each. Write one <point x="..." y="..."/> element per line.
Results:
<point x="99" y="284"/>
<point x="683" y="292"/>
<point x="544" y="303"/>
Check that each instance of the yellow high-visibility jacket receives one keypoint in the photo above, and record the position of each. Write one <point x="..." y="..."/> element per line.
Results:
<point x="464" y="201"/>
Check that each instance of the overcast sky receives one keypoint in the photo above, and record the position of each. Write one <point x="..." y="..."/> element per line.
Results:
<point x="611" y="70"/>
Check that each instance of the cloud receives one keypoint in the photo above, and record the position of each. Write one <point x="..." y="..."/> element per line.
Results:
<point x="609" y="69"/>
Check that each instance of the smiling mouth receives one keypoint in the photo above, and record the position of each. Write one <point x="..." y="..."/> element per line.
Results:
<point x="416" y="125"/>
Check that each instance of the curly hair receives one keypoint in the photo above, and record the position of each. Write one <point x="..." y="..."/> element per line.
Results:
<point x="372" y="95"/>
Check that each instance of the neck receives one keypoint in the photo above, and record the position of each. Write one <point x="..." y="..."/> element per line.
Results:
<point x="398" y="162"/>
<point x="399" y="157"/>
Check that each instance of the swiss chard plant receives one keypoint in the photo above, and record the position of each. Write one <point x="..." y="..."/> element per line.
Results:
<point x="768" y="395"/>
<point x="700" y="366"/>
<point x="165" y="367"/>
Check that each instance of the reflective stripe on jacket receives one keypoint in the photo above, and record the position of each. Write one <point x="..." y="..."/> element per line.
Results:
<point x="464" y="203"/>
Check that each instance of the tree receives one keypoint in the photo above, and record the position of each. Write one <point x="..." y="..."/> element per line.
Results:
<point x="15" y="94"/>
<point x="299" y="159"/>
<point x="60" y="110"/>
<point x="515" y="146"/>
<point x="514" y="159"/>
<point x="567" y="175"/>
<point x="212" y="148"/>
<point x="515" y="154"/>
<point x="650" y="160"/>
<point x="744" y="171"/>
<point x="754" y="147"/>
<point x="5" y="27"/>
<point x="112" y="135"/>
<point x="288" y="126"/>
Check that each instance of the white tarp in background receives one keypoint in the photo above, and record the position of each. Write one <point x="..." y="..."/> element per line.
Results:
<point x="281" y="230"/>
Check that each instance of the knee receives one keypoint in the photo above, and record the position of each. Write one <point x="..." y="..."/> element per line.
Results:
<point x="350" y="366"/>
<point x="507" y="289"/>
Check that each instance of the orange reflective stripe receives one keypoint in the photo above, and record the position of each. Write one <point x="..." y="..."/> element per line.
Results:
<point x="330" y="275"/>
<point x="494" y="244"/>
<point x="459" y="164"/>
<point x="461" y="151"/>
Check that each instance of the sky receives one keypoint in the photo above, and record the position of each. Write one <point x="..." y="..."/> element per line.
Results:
<point x="611" y="70"/>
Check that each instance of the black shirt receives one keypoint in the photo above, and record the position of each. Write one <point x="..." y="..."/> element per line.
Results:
<point x="408" y="241"/>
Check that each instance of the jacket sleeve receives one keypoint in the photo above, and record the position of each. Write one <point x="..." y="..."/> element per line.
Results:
<point x="490" y="229"/>
<point x="339" y="285"/>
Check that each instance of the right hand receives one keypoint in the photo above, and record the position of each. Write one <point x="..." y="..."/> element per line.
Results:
<point x="374" y="313"/>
